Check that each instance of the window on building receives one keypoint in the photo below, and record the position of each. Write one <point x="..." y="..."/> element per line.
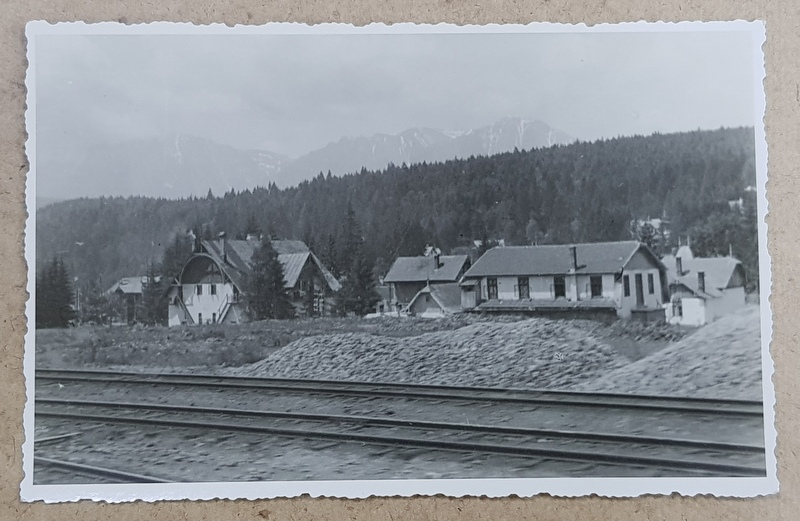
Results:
<point x="626" y="286"/>
<point x="213" y="289"/>
<point x="199" y="318"/>
<point x="559" y="286"/>
<point x="677" y="308"/>
<point x="199" y="289"/>
<point x="596" y="285"/>
<point x="524" y="288"/>
<point x="701" y="280"/>
<point x="213" y="318"/>
<point x="491" y="288"/>
<point x="651" y="283"/>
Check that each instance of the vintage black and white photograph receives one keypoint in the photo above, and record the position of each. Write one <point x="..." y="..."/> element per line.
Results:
<point x="276" y="260"/>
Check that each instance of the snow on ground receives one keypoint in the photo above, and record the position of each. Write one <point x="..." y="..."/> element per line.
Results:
<point x="720" y="360"/>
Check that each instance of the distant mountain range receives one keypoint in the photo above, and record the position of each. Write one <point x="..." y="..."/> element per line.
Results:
<point x="190" y="165"/>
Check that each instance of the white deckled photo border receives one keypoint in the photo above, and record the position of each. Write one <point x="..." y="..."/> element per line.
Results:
<point x="743" y="487"/>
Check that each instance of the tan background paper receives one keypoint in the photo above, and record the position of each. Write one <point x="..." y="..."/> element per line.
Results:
<point x="782" y="52"/>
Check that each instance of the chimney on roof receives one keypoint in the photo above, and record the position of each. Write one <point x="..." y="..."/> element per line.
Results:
<point x="437" y="258"/>
<point x="223" y="246"/>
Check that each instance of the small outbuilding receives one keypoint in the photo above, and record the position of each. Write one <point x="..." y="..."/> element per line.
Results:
<point x="129" y="291"/>
<point x="703" y="289"/>
<point x="409" y="275"/>
<point x="436" y="300"/>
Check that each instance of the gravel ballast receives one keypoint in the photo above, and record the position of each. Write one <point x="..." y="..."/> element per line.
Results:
<point x="720" y="360"/>
<point x="534" y="353"/>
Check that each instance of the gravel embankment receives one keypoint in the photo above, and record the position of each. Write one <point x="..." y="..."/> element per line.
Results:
<point x="534" y="353"/>
<point x="720" y="360"/>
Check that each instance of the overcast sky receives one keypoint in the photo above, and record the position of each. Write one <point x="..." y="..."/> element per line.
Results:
<point x="291" y="94"/>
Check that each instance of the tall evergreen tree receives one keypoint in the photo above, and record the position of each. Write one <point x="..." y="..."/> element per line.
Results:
<point x="95" y="306"/>
<point x="54" y="296"/>
<point x="175" y="256"/>
<point x="349" y="239"/>
<point x="153" y="304"/>
<point x="330" y="256"/>
<point x="358" y="293"/>
<point x="266" y="293"/>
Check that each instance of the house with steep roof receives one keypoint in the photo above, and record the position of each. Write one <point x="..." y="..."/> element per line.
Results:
<point x="211" y="286"/>
<point x="703" y="288"/>
<point x="409" y="275"/>
<point x="609" y="278"/>
<point x="436" y="300"/>
<point x="129" y="291"/>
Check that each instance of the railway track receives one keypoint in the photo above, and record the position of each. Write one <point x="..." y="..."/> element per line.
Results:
<point x="666" y="455"/>
<point x="371" y="389"/>
<point x="75" y="471"/>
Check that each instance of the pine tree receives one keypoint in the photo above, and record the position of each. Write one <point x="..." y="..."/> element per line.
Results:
<point x="329" y="256"/>
<point x="266" y="293"/>
<point x="349" y="239"/>
<point x="95" y="308"/>
<point x="54" y="296"/>
<point x="252" y="227"/>
<point x="153" y="306"/>
<point x="358" y="293"/>
<point x="175" y="256"/>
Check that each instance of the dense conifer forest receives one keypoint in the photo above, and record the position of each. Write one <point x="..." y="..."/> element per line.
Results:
<point x="582" y="192"/>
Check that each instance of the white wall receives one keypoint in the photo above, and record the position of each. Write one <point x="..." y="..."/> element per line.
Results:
<point x="206" y="304"/>
<point x="650" y="300"/>
<point x="542" y="287"/>
<point x="694" y="312"/>
<point x="731" y="300"/>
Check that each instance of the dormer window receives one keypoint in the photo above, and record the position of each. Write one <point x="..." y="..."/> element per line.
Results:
<point x="701" y="281"/>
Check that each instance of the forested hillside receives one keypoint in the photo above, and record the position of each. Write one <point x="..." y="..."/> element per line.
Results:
<point x="571" y="193"/>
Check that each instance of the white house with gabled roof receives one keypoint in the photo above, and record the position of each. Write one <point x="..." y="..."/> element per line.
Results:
<point x="212" y="284"/>
<point x="703" y="289"/>
<point x="624" y="278"/>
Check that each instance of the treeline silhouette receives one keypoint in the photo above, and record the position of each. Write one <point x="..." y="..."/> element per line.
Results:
<point x="574" y="193"/>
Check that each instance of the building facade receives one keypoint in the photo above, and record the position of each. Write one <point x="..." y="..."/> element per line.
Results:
<point x="625" y="278"/>
<point x="703" y="289"/>
<point x="212" y="285"/>
<point x="409" y="275"/>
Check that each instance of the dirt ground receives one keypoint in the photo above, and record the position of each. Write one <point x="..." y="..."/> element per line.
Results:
<point x="209" y="346"/>
<point x="721" y="359"/>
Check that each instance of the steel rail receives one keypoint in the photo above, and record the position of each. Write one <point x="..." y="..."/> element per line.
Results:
<point x="94" y="471"/>
<point x="461" y="446"/>
<point x="482" y="394"/>
<point x="419" y="424"/>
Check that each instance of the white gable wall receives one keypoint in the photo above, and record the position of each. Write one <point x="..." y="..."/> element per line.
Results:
<point x="206" y="305"/>
<point x="694" y="312"/>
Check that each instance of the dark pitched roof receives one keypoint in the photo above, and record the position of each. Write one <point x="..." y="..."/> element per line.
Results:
<point x="293" y="255"/>
<point x="718" y="273"/>
<point x="129" y="285"/>
<point x="421" y="269"/>
<point x="599" y="257"/>
<point x="447" y="296"/>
